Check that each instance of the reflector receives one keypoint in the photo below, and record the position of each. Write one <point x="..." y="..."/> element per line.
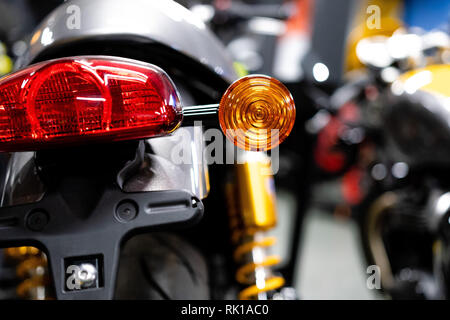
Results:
<point x="257" y="113"/>
<point x="81" y="99"/>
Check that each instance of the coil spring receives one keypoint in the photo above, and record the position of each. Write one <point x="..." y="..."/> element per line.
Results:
<point x="32" y="272"/>
<point x="256" y="267"/>
<point x="251" y="254"/>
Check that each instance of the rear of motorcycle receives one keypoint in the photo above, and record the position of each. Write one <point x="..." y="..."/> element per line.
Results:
<point x="90" y="134"/>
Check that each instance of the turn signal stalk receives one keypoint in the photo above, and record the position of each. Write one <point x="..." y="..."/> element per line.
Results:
<point x="256" y="113"/>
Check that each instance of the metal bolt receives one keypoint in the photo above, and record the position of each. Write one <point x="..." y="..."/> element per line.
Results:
<point x="86" y="275"/>
<point x="37" y="220"/>
<point x="126" y="211"/>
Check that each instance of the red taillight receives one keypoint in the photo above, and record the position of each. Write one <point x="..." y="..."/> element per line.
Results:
<point x="81" y="99"/>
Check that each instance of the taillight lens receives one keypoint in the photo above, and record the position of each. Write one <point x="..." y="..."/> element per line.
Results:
<point x="82" y="99"/>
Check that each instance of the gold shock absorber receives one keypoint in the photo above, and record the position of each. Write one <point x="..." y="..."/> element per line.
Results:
<point x="32" y="270"/>
<point x="252" y="213"/>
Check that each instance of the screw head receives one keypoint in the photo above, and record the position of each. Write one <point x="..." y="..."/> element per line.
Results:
<point x="126" y="211"/>
<point x="37" y="220"/>
<point x="87" y="275"/>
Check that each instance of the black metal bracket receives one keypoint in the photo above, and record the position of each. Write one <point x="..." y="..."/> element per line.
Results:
<point x="66" y="235"/>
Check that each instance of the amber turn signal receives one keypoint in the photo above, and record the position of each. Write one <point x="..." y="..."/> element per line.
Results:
<point x="257" y="113"/>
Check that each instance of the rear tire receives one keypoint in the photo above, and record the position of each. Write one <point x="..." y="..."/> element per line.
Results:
<point x="161" y="266"/>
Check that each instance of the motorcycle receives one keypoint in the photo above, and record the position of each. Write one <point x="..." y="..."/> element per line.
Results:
<point x="107" y="189"/>
<point x="389" y="127"/>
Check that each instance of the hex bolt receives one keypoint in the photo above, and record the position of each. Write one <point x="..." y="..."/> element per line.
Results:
<point x="37" y="220"/>
<point x="126" y="211"/>
<point x="87" y="275"/>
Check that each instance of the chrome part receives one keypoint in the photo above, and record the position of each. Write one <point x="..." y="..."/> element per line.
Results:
<point x="165" y="22"/>
<point x="287" y="293"/>
<point x="162" y="169"/>
<point x="199" y="111"/>
<point x="377" y="211"/>
<point x="87" y="275"/>
<point x="438" y="205"/>
<point x="22" y="184"/>
<point x="176" y="162"/>
<point x="192" y="163"/>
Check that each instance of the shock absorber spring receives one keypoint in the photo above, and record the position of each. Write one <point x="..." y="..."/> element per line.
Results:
<point x="252" y="212"/>
<point x="32" y="272"/>
<point x="256" y="268"/>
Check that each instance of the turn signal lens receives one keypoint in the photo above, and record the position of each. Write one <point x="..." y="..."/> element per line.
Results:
<point x="82" y="99"/>
<point x="257" y="113"/>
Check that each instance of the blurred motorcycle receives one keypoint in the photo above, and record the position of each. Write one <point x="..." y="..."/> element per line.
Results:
<point x="389" y="128"/>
